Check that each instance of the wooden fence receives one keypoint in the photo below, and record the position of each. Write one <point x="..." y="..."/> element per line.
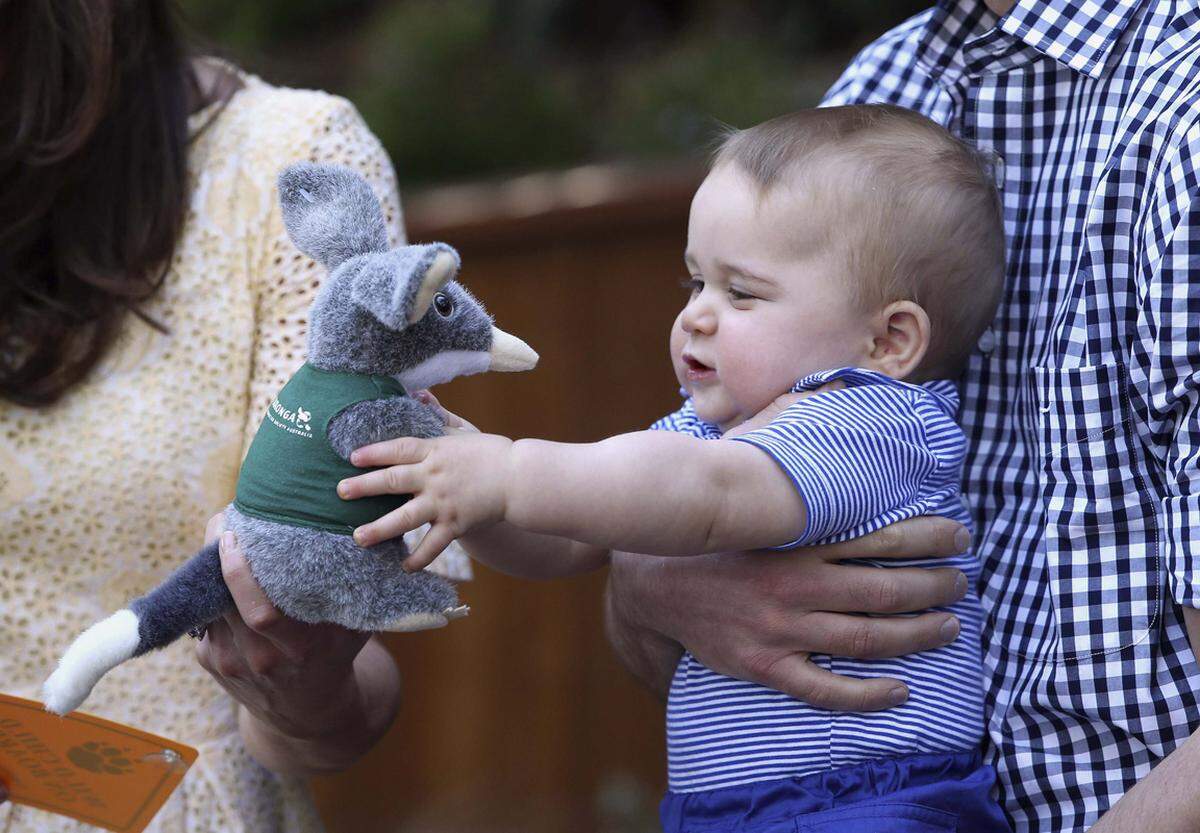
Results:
<point x="519" y="718"/>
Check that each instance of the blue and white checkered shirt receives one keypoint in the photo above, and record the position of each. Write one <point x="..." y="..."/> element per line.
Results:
<point x="874" y="453"/>
<point x="1082" y="404"/>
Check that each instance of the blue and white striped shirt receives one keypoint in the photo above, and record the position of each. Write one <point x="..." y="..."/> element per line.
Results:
<point x="873" y="453"/>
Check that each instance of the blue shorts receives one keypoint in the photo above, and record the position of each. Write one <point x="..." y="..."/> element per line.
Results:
<point x="910" y="794"/>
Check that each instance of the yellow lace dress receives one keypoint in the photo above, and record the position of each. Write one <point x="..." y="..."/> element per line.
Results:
<point x="102" y="495"/>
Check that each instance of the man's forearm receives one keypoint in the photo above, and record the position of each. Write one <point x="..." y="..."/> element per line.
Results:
<point x="653" y="492"/>
<point x="355" y="722"/>
<point x="1165" y="801"/>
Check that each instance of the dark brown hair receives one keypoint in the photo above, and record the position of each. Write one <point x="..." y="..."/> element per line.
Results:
<point x="912" y="212"/>
<point x="94" y="100"/>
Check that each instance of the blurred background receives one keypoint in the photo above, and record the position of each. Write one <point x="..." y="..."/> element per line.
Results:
<point x="556" y="144"/>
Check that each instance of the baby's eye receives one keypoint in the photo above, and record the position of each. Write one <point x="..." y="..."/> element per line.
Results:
<point x="738" y="295"/>
<point x="692" y="285"/>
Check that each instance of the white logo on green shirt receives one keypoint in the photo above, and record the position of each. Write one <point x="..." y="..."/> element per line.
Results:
<point x="294" y="422"/>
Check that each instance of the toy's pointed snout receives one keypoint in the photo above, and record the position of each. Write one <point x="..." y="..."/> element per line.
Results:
<point x="509" y="353"/>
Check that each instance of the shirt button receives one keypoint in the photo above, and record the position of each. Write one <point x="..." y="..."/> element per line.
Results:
<point x="987" y="341"/>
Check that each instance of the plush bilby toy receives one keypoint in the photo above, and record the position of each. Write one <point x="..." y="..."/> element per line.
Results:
<point x="386" y="322"/>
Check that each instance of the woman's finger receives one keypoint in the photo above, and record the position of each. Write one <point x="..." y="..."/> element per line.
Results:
<point x="218" y="654"/>
<point x="449" y="419"/>
<point x="397" y="522"/>
<point x="258" y="653"/>
<point x="435" y="541"/>
<point x="255" y="611"/>
<point x="253" y="607"/>
<point x="214" y="527"/>
<point x="393" y="480"/>
<point x="391" y="452"/>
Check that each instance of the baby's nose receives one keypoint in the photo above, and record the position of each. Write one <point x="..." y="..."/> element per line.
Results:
<point x="697" y="316"/>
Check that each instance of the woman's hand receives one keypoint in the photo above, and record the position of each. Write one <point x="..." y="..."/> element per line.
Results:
<point x="453" y="422"/>
<point x="314" y="697"/>
<point x="758" y="616"/>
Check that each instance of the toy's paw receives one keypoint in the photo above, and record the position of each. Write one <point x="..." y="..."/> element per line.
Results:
<point x="425" y="621"/>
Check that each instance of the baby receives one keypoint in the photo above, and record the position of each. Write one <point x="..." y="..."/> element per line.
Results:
<point x="854" y="253"/>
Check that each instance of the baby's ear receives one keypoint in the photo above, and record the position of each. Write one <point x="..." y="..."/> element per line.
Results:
<point x="397" y="288"/>
<point x="330" y="213"/>
<point x="901" y="339"/>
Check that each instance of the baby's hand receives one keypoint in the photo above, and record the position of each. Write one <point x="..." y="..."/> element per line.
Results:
<point x="458" y="484"/>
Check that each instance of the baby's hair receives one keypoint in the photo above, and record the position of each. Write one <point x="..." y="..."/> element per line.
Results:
<point x="911" y="212"/>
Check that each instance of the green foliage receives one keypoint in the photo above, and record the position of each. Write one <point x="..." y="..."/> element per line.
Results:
<point x="247" y="25"/>
<point x="449" y="99"/>
<point x="673" y="102"/>
<point x="474" y="88"/>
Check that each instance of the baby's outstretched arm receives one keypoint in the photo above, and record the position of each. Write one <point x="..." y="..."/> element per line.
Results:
<point x="653" y="492"/>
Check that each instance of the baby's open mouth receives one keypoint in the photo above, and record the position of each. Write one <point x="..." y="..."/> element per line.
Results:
<point x="695" y="367"/>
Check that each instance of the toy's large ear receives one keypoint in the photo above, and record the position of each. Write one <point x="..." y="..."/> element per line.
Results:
<point x="330" y="212"/>
<point x="398" y="287"/>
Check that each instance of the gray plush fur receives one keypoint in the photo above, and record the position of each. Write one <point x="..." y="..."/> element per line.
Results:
<point x="330" y="213"/>
<point x="381" y="419"/>
<point x="317" y="576"/>
<point x="196" y="591"/>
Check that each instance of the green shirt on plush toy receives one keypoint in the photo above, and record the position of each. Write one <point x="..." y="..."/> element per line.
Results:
<point x="291" y="471"/>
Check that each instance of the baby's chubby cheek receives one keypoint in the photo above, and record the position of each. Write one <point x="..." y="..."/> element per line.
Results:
<point x="677" y="341"/>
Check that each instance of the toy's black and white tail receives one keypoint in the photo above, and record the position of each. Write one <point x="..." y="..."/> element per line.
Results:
<point x="190" y="598"/>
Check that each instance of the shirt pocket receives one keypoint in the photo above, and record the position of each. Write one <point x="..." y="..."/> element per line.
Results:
<point x="1101" y="532"/>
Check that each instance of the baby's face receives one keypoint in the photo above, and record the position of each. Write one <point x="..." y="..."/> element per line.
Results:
<point x="767" y="307"/>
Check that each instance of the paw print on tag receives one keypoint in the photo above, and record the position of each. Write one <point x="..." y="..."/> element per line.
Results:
<point x="100" y="758"/>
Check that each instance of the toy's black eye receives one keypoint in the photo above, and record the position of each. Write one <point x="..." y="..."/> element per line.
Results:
<point x="443" y="305"/>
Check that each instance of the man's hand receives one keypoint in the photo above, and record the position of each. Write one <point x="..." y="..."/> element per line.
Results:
<point x="758" y="616"/>
<point x="314" y="697"/>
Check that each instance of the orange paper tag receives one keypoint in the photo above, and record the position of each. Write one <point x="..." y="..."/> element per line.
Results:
<point x="90" y="769"/>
